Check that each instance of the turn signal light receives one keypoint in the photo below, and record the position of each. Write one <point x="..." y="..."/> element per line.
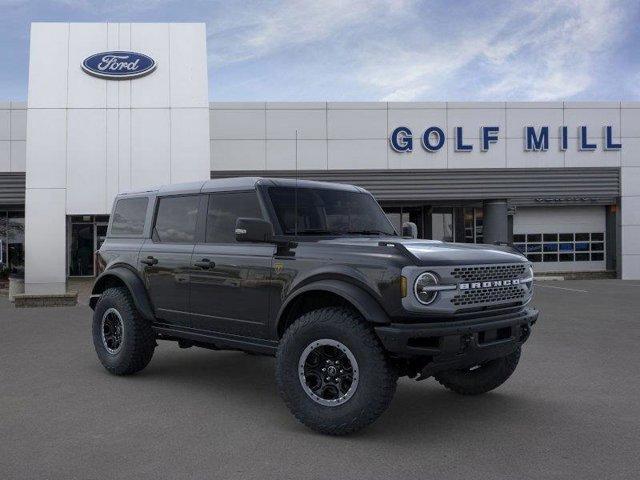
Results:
<point x="403" y="286"/>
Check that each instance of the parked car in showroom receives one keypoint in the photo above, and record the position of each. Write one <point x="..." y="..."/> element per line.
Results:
<point x="314" y="274"/>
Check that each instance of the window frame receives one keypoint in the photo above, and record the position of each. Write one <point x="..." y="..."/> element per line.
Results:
<point x="205" y="213"/>
<point x="110" y="233"/>
<point x="156" y="209"/>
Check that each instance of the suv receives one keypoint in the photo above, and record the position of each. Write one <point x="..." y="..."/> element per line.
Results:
<point x="314" y="274"/>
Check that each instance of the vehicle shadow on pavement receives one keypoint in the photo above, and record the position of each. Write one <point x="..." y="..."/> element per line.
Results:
<point x="423" y="409"/>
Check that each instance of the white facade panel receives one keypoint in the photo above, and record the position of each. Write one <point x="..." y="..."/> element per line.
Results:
<point x="630" y="237"/>
<point x="47" y="148"/>
<point x="519" y="118"/>
<point x="48" y="62"/>
<point x="124" y="86"/>
<point x="630" y="181"/>
<point x="594" y="118"/>
<point x="190" y="144"/>
<point x="357" y="154"/>
<point x="418" y="158"/>
<point x="5" y="124"/>
<point x="18" y="156"/>
<point x="597" y="158"/>
<point x="18" y="124"/>
<point x="85" y="91"/>
<point x="238" y="154"/>
<point x="152" y="91"/>
<point x="517" y="157"/>
<point x="630" y="153"/>
<point x="5" y="156"/>
<point x="471" y="119"/>
<point x="124" y="150"/>
<point x="86" y="161"/>
<point x="494" y="157"/>
<point x="111" y="157"/>
<point x="150" y="147"/>
<point x="417" y="120"/>
<point x="45" y="241"/>
<point x="188" y="56"/>
<point x="281" y="155"/>
<point x="238" y="124"/>
<point x="356" y="124"/>
<point x="282" y="124"/>
<point x="630" y="122"/>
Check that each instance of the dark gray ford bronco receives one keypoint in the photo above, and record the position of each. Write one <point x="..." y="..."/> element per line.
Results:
<point x="315" y="275"/>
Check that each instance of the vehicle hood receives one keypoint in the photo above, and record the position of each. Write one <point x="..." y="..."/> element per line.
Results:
<point x="435" y="252"/>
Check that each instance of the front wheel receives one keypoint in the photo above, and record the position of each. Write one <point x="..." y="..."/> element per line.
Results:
<point x="332" y="372"/>
<point x="480" y="378"/>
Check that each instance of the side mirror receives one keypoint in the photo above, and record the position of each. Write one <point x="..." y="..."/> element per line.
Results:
<point x="410" y="230"/>
<point x="254" y="230"/>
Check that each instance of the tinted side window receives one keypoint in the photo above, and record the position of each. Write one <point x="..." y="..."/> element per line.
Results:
<point x="224" y="210"/>
<point x="129" y="215"/>
<point x="176" y="219"/>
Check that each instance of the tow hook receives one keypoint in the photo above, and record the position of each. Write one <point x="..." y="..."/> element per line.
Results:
<point x="465" y="341"/>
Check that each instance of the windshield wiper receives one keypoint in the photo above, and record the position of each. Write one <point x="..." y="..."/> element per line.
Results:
<point x="314" y="231"/>
<point x="369" y="232"/>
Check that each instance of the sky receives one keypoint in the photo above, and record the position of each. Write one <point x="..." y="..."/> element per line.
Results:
<point x="377" y="50"/>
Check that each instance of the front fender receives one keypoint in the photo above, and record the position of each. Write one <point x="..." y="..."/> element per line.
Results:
<point x="368" y="307"/>
<point x="132" y="282"/>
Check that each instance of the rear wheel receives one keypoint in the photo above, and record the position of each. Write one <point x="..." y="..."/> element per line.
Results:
<point x="332" y="372"/>
<point x="123" y="340"/>
<point x="480" y="378"/>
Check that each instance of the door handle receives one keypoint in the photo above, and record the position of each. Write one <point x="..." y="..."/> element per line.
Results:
<point x="150" y="260"/>
<point x="205" y="263"/>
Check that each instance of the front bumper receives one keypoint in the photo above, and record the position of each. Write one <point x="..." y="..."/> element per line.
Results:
<point x="451" y="345"/>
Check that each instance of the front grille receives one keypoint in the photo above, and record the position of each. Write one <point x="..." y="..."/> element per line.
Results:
<point x="488" y="272"/>
<point x="489" y="295"/>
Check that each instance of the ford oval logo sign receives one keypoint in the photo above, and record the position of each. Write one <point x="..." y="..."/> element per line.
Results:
<point x="118" y="65"/>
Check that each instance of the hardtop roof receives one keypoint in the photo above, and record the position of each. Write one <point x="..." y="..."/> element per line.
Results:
<point x="237" y="184"/>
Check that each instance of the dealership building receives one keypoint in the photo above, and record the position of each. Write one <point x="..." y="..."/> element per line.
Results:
<point x="114" y="107"/>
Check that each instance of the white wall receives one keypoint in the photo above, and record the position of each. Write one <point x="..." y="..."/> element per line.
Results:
<point x="13" y="136"/>
<point x="89" y="138"/>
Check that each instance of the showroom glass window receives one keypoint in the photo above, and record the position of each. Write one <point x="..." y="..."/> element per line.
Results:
<point x="224" y="209"/>
<point x="176" y="219"/>
<point x="11" y="243"/>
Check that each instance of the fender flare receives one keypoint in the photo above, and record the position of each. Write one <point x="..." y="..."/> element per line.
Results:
<point x="134" y="284"/>
<point x="368" y="306"/>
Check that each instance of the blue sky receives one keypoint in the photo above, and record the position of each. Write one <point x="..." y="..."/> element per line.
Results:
<point x="361" y="50"/>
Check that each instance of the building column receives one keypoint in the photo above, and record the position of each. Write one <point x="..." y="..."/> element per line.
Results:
<point x="45" y="241"/>
<point x="495" y="221"/>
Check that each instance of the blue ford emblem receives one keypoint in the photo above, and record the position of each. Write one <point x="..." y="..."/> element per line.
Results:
<point x="118" y="65"/>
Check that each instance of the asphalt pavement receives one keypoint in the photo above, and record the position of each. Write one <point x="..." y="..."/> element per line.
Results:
<point x="571" y="410"/>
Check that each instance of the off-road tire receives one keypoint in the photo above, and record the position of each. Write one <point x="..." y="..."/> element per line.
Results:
<point x="138" y="340"/>
<point x="377" y="377"/>
<point x="482" y="379"/>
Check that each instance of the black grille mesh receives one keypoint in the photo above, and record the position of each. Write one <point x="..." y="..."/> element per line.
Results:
<point x="489" y="295"/>
<point x="488" y="272"/>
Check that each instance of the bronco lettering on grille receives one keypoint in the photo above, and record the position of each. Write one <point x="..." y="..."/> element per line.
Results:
<point x="492" y="283"/>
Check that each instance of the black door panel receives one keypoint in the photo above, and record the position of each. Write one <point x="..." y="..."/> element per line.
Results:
<point x="167" y="280"/>
<point x="233" y="295"/>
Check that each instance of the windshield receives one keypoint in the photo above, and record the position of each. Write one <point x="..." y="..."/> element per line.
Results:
<point x="328" y="212"/>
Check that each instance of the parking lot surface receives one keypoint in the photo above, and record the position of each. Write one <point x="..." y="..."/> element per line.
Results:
<point x="571" y="410"/>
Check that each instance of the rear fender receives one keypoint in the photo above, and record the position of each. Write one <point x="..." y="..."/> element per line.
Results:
<point x="131" y="281"/>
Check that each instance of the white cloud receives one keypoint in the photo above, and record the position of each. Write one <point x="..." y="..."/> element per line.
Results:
<point x="259" y="29"/>
<point x="546" y="50"/>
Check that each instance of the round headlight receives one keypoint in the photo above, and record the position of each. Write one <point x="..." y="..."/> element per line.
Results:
<point x="423" y="288"/>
